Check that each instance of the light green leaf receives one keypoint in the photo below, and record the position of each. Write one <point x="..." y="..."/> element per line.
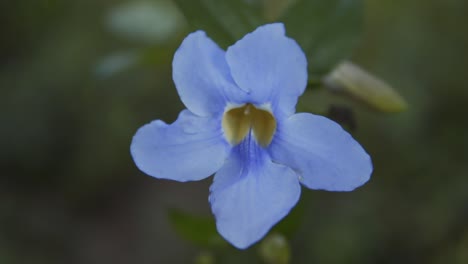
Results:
<point x="327" y="31"/>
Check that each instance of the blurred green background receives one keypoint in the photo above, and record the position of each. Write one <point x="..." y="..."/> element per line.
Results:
<point x="78" y="78"/>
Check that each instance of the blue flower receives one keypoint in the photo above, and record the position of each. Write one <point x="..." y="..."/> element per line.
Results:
<point x="240" y="124"/>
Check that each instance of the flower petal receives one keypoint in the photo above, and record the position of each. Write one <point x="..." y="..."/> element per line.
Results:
<point x="202" y="77"/>
<point x="325" y="155"/>
<point x="269" y="65"/>
<point x="192" y="148"/>
<point x="250" y="194"/>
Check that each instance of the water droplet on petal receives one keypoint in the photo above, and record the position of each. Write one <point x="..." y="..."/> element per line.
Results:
<point x="301" y="178"/>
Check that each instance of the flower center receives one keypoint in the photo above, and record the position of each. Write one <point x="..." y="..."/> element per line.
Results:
<point x="238" y="122"/>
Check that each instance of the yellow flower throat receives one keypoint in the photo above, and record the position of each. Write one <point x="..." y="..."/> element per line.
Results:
<point x="238" y="122"/>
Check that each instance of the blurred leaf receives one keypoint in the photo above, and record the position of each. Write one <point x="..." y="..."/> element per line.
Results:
<point x="462" y="252"/>
<point x="205" y="258"/>
<point x="158" y="55"/>
<point x="275" y="249"/>
<point x="119" y="62"/>
<point x="196" y="229"/>
<point x="273" y="9"/>
<point x="353" y="81"/>
<point x="145" y="21"/>
<point x="224" y="21"/>
<point x="116" y="63"/>
<point x="327" y="31"/>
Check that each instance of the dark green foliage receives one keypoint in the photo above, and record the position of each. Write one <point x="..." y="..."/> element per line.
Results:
<point x="328" y="31"/>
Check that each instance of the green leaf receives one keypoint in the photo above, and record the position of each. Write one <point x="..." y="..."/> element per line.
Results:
<point x="225" y="21"/>
<point x="196" y="229"/>
<point x="327" y="30"/>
